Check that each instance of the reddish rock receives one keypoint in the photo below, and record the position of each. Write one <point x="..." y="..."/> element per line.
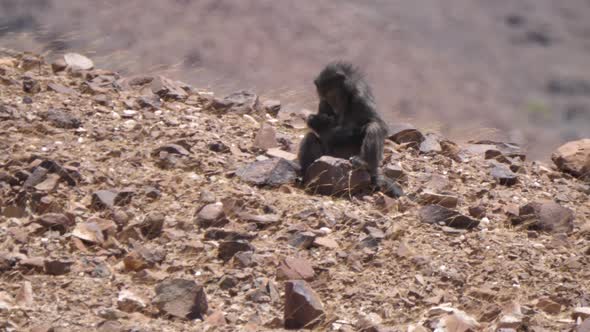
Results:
<point x="405" y="133"/>
<point x="241" y="102"/>
<point x="574" y="158"/>
<point x="335" y="177"/>
<point x="546" y="216"/>
<point x="292" y="268"/>
<point x="152" y="225"/>
<point x="143" y="258"/>
<point x="57" y="267"/>
<point x="549" y="306"/>
<point x="56" y="221"/>
<point x="212" y="215"/>
<point x="447" y="201"/>
<point x="168" y="89"/>
<point x="271" y="172"/>
<point x="266" y="138"/>
<point x="436" y="214"/>
<point x="228" y="249"/>
<point x="127" y="301"/>
<point x="303" y="307"/>
<point x="181" y="298"/>
<point x="89" y="232"/>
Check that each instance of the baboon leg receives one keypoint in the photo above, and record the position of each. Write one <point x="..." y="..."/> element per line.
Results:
<point x="372" y="149"/>
<point x="310" y="150"/>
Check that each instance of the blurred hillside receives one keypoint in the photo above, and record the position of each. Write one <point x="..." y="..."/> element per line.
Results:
<point x="513" y="70"/>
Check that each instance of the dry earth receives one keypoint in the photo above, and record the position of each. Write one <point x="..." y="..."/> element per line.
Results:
<point x="103" y="180"/>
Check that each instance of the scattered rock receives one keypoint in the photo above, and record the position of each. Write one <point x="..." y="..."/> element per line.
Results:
<point x="58" y="66"/>
<point x="303" y="240"/>
<point x="61" y="119"/>
<point x="173" y="149"/>
<point x="278" y="153"/>
<point x="394" y="172"/>
<point x="266" y="137"/>
<point x="303" y="307"/>
<point x="212" y="215"/>
<point x="545" y="216"/>
<point x="89" y="232"/>
<point x="581" y="312"/>
<point x="431" y="144"/>
<point x="168" y="89"/>
<point x="129" y="302"/>
<point x="56" y="221"/>
<point x="504" y="175"/>
<point x="24" y="297"/>
<point x="181" y="298"/>
<point x="57" y="267"/>
<point x="261" y="221"/>
<point x="549" y="306"/>
<point x="78" y="62"/>
<point x="436" y="214"/>
<point x="574" y="158"/>
<point x="227" y="249"/>
<point x="292" y="268"/>
<point x="335" y="177"/>
<point x="272" y="106"/>
<point x="405" y="133"/>
<point x="271" y="172"/>
<point x="103" y="199"/>
<point x="55" y="87"/>
<point x="241" y="102"/>
<point x="143" y="258"/>
<point x="326" y="242"/>
<point x="152" y="225"/>
<point x="447" y="201"/>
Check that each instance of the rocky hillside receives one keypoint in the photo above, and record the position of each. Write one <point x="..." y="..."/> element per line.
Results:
<point x="513" y="70"/>
<point x="143" y="204"/>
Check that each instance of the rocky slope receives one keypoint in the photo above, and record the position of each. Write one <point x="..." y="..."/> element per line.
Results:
<point x="506" y="69"/>
<point x="143" y="204"/>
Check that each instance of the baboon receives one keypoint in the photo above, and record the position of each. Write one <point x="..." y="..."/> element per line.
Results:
<point x="347" y="124"/>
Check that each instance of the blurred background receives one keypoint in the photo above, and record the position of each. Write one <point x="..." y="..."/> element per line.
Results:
<point x="512" y="70"/>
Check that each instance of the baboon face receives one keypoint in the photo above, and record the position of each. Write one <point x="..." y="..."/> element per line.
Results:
<point x="332" y="91"/>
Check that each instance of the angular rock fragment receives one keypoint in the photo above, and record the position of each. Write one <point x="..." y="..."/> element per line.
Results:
<point x="271" y="172"/>
<point x="293" y="268"/>
<point x="241" y="102"/>
<point x="168" y="89"/>
<point x="181" y="298"/>
<point x="278" y="153"/>
<point x="58" y="66"/>
<point x="405" y="133"/>
<point x="436" y="214"/>
<point x="335" y="177"/>
<point x="447" y="201"/>
<point x="143" y="258"/>
<point x="261" y="221"/>
<point x="152" y="225"/>
<point x="30" y="62"/>
<point x="172" y="148"/>
<point x="574" y="158"/>
<point x="303" y="307"/>
<point x="545" y="216"/>
<point x="127" y="301"/>
<point x="57" y="267"/>
<point x="272" y="106"/>
<point x="78" y="62"/>
<point x="56" y="221"/>
<point x="227" y="249"/>
<point x="56" y="87"/>
<point x="31" y="85"/>
<point x="217" y="234"/>
<point x="504" y="175"/>
<point x="549" y="306"/>
<point x="431" y="144"/>
<point x="510" y="150"/>
<point x="394" y="172"/>
<point x="266" y="137"/>
<point x="62" y="119"/>
<point x="89" y="232"/>
<point x="103" y="199"/>
<point x="303" y="240"/>
<point x="212" y="215"/>
<point x="581" y="312"/>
